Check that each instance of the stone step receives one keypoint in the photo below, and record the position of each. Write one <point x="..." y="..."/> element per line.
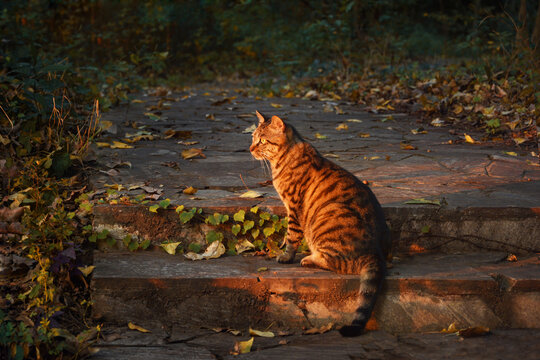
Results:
<point x="415" y="228"/>
<point x="425" y="292"/>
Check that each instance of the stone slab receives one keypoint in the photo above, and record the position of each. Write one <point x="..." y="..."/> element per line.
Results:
<point x="421" y="293"/>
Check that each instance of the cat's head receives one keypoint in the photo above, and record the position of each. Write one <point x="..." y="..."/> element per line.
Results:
<point x="271" y="138"/>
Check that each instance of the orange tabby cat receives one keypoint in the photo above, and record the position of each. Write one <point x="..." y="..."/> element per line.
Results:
<point x="339" y="217"/>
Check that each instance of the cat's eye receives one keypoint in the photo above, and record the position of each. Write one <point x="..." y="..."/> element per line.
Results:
<point x="263" y="141"/>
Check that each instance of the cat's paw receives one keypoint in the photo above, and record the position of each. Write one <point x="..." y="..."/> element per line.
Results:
<point x="308" y="262"/>
<point x="285" y="258"/>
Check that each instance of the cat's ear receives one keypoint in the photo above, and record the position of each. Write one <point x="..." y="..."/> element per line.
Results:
<point x="260" y="117"/>
<point x="277" y="123"/>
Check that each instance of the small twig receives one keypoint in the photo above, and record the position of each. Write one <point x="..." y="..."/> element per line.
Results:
<point x="11" y="122"/>
<point x="244" y="182"/>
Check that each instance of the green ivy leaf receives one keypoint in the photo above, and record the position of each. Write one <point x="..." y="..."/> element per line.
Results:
<point x="153" y="208"/>
<point x="185" y="216"/>
<point x="133" y="246"/>
<point x="285" y="222"/>
<point x="179" y="209"/>
<point x="239" y="216"/>
<point x="111" y="242"/>
<point x="425" y="229"/>
<point x="248" y="225"/>
<point x="265" y="216"/>
<point x="261" y="222"/>
<point x="103" y="234"/>
<point x="274" y="218"/>
<point x="267" y="231"/>
<point x="224" y="219"/>
<point x="196" y="248"/>
<point x="212" y="236"/>
<point x="127" y="240"/>
<point x="145" y="244"/>
<point x="164" y="203"/>
<point x="254" y="209"/>
<point x="235" y="229"/>
<point x="255" y="233"/>
<point x="92" y="238"/>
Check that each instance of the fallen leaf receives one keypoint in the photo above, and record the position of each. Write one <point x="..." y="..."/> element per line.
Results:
<point x="153" y="208"/>
<point x="519" y="140"/>
<point x="404" y="146"/>
<point x="267" y="334"/>
<point x="342" y="127"/>
<point x="178" y="134"/>
<point x="251" y="194"/>
<point x="473" y="331"/>
<point x="437" y="122"/>
<point x="120" y="145"/>
<point x="354" y="120"/>
<point x="153" y="116"/>
<point x="261" y="269"/>
<point x="321" y="137"/>
<point x="190" y="190"/>
<point x="86" y="270"/>
<point x="511" y="153"/>
<point x="244" y="245"/>
<point x="320" y="330"/>
<point x="277" y="106"/>
<point x="103" y="144"/>
<point x="451" y="329"/>
<point x="187" y="143"/>
<point x="363" y="135"/>
<point x="249" y="129"/>
<point x="242" y="347"/>
<point x="105" y="124"/>
<point x="423" y="201"/>
<point x="511" y="258"/>
<point x="132" y="326"/>
<point x="192" y="153"/>
<point x="170" y="248"/>
<point x="469" y="139"/>
<point x="214" y="250"/>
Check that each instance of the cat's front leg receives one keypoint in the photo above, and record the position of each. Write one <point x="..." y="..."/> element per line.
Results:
<point x="293" y="240"/>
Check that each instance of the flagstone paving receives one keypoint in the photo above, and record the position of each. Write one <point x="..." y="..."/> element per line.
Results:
<point x="478" y="201"/>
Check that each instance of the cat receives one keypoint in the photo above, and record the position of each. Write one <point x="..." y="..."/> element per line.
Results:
<point x="339" y="217"/>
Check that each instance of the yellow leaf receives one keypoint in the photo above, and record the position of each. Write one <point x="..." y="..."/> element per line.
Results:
<point x="261" y="269"/>
<point x="137" y="101"/>
<point x="320" y="136"/>
<point x="243" y="347"/>
<point x="511" y="153"/>
<point x="117" y="187"/>
<point x="105" y="124"/>
<point x="192" y="153"/>
<point x="451" y="329"/>
<point x="363" y="135"/>
<point x="469" y="139"/>
<point x="87" y="270"/>
<point x="276" y="105"/>
<point x="120" y="145"/>
<point x="289" y="95"/>
<point x="244" y="245"/>
<point x="354" y="120"/>
<point x="342" y="127"/>
<point x="190" y="190"/>
<point x="519" y="140"/>
<point x="103" y="144"/>
<point x="170" y="248"/>
<point x="251" y="194"/>
<point x="132" y="326"/>
<point x="267" y="334"/>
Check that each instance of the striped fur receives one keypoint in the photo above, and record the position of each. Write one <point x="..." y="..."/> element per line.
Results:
<point x="338" y="215"/>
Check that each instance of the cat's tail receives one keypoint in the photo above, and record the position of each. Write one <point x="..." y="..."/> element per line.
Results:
<point x="371" y="279"/>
